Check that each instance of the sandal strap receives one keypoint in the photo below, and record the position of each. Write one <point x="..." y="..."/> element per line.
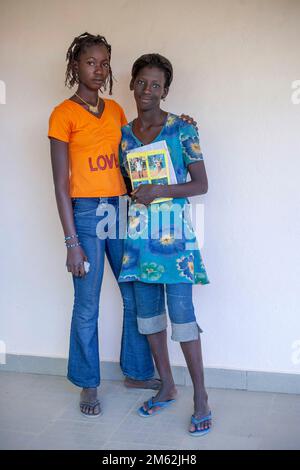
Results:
<point x="150" y="403"/>
<point x="92" y="404"/>
<point x="198" y="421"/>
<point x="160" y="404"/>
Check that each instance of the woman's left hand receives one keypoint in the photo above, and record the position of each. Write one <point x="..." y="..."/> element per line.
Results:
<point x="146" y="193"/>
<point x="189" y="120"/>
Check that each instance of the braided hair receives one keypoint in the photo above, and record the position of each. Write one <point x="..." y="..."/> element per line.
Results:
<point x="79" y="44"/>
<point x="153" y="60"/>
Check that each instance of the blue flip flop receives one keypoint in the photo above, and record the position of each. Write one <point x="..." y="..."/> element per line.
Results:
<point x="195" y="421"/>
<point x="151" y="404"/>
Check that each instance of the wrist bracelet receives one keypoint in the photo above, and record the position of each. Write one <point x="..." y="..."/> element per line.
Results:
<point x="70" y="237"/>
<point x="73" y="246"/>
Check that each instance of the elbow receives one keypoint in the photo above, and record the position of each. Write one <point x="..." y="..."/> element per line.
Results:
<point x="205" y="184"/>
<point x="205" y="188"/>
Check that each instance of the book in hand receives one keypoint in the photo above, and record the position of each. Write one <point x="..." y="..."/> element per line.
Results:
<point x="151" y="164"/>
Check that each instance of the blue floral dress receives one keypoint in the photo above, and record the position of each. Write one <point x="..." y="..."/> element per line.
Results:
<point x="157" y="251"/>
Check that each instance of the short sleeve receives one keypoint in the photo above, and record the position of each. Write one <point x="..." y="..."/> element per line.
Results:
<point x="190" y="144"/>
<point x="119" y="113"/>
<point x="60" y="125"/>
<point x="123" y="117"/>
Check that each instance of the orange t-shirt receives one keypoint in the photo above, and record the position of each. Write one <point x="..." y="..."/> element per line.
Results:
<point x="93" y="147"/>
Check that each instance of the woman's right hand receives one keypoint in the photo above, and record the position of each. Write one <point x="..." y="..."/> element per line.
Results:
<point x="75" y="261"/>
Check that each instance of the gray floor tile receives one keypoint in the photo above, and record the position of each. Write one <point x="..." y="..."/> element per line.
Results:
<point x="285" y="442"/>
<point x="13" y="385"/>
<point x="64" y="434"/>
<point x="30" y="413"/>
<point x="282" y="431"/>
<point x="283" y="402"/>
<point x="10" y="440"/>
<point x="216" y="441"/>
<point x="67" y="443"/>
<point x="163" y="429"/>
<point x="42" y="412"/>
<point x="115" y="445"/>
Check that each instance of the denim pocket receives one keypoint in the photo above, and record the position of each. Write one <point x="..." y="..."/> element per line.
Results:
<point x="84" y="205"/>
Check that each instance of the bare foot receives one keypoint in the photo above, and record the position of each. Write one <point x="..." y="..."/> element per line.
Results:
<point x="201" y="410"/>
<point x="153" y="384"/>
<point x="89" y="403"/>
<point x="165" y="394"/>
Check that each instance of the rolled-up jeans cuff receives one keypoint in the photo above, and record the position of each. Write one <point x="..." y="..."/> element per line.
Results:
<point x="149" y="326"/>
<point x="183" y="332"/>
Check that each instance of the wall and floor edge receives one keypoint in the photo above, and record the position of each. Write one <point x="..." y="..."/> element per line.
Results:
<point x="257" y="381"/>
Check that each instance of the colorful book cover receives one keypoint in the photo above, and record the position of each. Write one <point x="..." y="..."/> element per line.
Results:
<point x="151" y="164"/>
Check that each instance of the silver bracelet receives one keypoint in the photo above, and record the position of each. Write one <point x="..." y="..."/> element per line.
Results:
<point x="73" y="246"/>
<point x="70" y="237"/>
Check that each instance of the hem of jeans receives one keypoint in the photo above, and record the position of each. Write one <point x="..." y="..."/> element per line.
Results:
<point x="157" y="323"/>
<point x="80" y="384"/>
<point x="194" y="338"/>
<point x="142" y="379"/>
<point x="152" y="332"/>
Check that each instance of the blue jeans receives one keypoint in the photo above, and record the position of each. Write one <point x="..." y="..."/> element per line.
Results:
<point x="135" y="359"/>
<point x="152" y="317"/>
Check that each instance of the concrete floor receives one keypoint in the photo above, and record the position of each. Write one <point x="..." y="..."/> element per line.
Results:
<point x="41" y="412"/>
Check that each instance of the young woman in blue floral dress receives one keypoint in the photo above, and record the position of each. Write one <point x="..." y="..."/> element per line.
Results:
<point x="161" y="253"/>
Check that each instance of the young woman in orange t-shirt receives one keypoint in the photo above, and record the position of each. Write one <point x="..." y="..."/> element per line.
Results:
<point x="85" y="132"/>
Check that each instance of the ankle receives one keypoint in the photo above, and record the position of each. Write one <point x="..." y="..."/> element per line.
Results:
<point x="168" y="385"/>
<point x="89" y="393"/>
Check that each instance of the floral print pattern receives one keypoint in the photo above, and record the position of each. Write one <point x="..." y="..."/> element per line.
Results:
<point x="167" y="242"/>
<point x="191" y="148"/>
<point x="151" y="272"/>
<point x="186" y="266"/>
<point x="130" y="257"/>
<point x="165" y="254"/>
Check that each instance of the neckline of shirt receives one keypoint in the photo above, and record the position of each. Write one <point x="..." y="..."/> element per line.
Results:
<point x="155" y="139"/>
<point x="91" y="114"/>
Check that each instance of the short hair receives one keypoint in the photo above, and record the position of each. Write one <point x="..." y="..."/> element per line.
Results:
<point x="153" y="60"/>
<point x="79" y="45"/>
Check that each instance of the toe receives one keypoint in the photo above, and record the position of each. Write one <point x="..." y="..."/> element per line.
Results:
<point x="155" y="408"/>
<point x="204" y="426"/>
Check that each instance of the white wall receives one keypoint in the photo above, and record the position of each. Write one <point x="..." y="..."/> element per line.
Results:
<point x="234" y="61"/>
